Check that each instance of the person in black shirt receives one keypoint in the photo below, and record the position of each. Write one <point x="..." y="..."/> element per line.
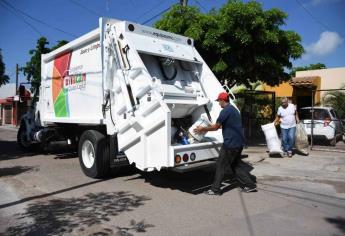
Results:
<point x="229" y="159"/>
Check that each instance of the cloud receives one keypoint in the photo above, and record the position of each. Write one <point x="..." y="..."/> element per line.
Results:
<point x="326" y="44"/>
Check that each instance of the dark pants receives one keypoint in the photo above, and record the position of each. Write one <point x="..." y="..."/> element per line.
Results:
<point x="229" y="161"/>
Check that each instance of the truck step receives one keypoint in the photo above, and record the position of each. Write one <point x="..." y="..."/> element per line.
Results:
<point x="194" y="166"/>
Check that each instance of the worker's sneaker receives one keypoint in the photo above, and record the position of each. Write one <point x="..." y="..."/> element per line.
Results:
<point x="285" y="154"/>
<point x="289" y="154"/>
<point x="249" y="189"/>
<point x="211" y="192"/>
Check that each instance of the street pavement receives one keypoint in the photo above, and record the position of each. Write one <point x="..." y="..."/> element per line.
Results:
<point x="47" y="194"/>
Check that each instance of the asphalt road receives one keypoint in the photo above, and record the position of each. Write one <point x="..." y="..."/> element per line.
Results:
<point x="47" y="194"/>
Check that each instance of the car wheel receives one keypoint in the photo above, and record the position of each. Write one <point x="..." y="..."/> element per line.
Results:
<point x="93" y="153"/>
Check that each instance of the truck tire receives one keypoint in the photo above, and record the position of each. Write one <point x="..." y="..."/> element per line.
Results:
<point x="22" y="141"/>
<point x="93" y="153"/>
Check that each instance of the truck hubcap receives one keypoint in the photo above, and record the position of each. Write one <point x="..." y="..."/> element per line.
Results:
<point x="88" y="154"/>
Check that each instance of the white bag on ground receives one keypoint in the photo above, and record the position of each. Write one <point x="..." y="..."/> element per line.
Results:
<point x="301" y="142"/>
<point x="272" y="139"/>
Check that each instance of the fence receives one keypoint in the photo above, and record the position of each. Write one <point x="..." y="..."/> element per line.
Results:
<point x="257" y="108"/>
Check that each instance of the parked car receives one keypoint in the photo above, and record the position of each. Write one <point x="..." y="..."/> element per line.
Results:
<point x="326" y="123"/>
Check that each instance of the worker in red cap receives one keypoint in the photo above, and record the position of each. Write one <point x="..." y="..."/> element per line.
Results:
<point x="229" y="159"/>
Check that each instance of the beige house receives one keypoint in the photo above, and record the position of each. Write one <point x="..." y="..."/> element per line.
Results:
<point x="333" y="78"/>
<point x="299" y="89"/>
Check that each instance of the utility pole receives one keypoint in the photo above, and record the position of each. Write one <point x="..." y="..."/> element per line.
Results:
<point x="184" y="3"/>
<point x="17" y="73"/>
<point x="17" y="102"/>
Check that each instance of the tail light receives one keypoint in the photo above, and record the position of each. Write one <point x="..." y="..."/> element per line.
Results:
<point x="326" y="122"/>
<point x="192" y="156"/>
<point x="177" y="159"/>
<point x="185" y="157"/>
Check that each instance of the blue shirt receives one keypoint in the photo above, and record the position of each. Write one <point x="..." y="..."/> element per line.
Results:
<point x="231" y="122"/>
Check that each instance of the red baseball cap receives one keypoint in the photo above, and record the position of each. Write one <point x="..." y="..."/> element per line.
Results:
<point x="223" y="96"/>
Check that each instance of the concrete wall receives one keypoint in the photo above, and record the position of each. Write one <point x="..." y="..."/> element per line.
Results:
<point x="282" y="90"/>
<point x="333" y="78"/>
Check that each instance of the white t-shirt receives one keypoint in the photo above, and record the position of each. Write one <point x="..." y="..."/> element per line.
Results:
<point x="287" y="116"/>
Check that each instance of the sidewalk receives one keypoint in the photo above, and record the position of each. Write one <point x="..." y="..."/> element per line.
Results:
<point x="9" y="127"/>
<point x="256" y="154"/>
<point x="317" y="166"/>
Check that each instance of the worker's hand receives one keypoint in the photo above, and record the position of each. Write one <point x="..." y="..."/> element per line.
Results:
<point x="198" y="130"/>
<point x="276" y="123"/>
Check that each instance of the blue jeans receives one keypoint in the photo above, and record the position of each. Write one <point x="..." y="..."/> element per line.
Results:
<point x="288" y="138"/>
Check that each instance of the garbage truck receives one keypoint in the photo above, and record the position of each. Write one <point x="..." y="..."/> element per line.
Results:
<point x="125" y="94"/>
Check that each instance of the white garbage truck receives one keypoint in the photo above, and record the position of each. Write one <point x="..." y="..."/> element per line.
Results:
<point x="124" y="94"/>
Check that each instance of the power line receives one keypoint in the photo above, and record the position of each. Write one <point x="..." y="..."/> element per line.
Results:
<point x="37" y="20"/>
<point x="153" y="17"/>
<point x="200" y="5"/>
<point x="312" y="16"/>
<point x="155" y="6"/>
<point x="85" y="8"/>
<point x="131" y="1"/>
<point x="22" y="18"/>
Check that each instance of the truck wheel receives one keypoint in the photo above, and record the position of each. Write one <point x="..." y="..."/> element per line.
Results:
<point x="93" y="153"/>
<point x="22" y="140"/>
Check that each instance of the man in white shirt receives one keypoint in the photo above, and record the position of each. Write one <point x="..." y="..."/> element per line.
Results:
<point x="287" y="117"/>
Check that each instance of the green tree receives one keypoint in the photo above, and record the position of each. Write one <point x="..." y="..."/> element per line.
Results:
<point x="316" y="66"/>
<point x="4" y="79"/>
<point x="336" y="99"/>
<point x="59" y="44"/>
<point x="241" y="42"/>
<point x="32" y="70"/>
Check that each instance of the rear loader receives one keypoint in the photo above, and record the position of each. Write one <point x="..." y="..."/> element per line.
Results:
<point x="124" y="94"/>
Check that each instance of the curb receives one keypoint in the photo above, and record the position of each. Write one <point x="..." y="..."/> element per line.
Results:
<point x="14" y="128"/>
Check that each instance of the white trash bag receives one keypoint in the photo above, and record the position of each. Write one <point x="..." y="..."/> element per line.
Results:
<point x="272" y="139"/>
<point x="301" y="142"/>
<point x="202" y="121"/>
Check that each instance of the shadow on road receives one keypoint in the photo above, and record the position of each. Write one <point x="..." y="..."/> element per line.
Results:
<point x="16" y="170"/>
<point x="194" y="182"/>
<point x="339" y="222"/>
<point x="11" y="150"/>
<point x="317" y="143"/>
<point x="49" y="194"/>
<point x="79" y="215"/>
<point x="139" y="227"/>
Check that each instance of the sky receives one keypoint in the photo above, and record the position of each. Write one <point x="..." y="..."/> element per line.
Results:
<point x="320" y="23"/>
